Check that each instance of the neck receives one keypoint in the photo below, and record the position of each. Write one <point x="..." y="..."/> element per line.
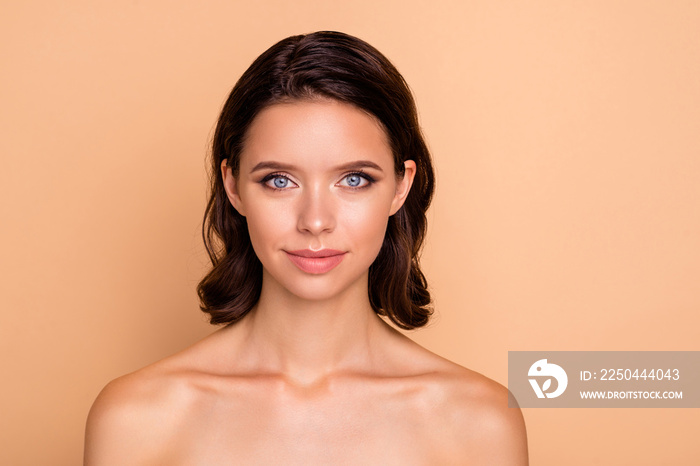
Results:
<point x="308" y="340"/>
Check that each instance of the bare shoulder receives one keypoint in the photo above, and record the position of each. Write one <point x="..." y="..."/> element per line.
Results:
<point x="476" y="419"/>
<point x="134" y="415"/>
<point x="468" y="417"/>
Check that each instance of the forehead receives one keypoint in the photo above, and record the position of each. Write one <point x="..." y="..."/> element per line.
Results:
<point x="315" y="134"/>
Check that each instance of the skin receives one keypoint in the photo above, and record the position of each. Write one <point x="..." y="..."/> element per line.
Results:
<point x="311" y="375"/>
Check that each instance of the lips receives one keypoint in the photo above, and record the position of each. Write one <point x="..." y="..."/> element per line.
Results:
<point x="316" y="262"/>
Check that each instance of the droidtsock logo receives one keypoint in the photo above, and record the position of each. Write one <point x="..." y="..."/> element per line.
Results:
<point x="546" y="372"/>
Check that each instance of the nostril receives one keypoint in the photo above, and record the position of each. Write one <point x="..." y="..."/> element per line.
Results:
<point x="316" y="215"/>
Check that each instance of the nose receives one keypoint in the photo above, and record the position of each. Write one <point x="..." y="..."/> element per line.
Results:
<point x="316" y="211"/>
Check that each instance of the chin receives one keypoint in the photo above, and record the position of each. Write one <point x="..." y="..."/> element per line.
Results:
<point x="315" y="288"/>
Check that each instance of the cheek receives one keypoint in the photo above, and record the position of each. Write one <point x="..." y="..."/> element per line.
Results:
<point x="366" y="224"/>
<point x="268" y="225"/>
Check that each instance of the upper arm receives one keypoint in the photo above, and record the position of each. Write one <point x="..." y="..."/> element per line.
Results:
<point x="122" y="426"/>
<point x="488" y="431"/>
<point x="504" y="439"/>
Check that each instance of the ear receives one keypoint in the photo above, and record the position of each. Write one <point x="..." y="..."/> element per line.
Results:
<point x="404" y="186"/>
<point x="231" y="187"/>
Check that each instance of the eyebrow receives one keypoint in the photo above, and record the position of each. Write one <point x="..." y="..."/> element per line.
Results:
<point x="355" y="165"/>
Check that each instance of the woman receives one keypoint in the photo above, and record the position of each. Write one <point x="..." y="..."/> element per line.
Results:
<point x="321" y="180"/>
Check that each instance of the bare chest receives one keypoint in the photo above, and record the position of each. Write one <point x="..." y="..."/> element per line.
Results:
<point x="270" y="427"/>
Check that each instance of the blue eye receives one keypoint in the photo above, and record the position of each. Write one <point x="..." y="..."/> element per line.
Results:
<point x="351" y="180"/>
<point x="280" y="182"/>
<point x="354" y="180"/>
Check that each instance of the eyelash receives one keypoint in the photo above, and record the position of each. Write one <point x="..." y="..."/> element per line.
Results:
<point x="360" y="173"/>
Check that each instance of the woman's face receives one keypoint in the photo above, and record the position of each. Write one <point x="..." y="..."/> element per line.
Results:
<point x="316" y="176"/>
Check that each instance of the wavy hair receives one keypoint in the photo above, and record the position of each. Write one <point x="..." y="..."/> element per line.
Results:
<point x="328" y="65"/>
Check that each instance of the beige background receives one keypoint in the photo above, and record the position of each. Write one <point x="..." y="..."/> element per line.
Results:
<point x="566" y="137"/>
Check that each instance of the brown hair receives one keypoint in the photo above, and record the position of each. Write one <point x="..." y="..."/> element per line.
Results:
<point x="344" y="68"/>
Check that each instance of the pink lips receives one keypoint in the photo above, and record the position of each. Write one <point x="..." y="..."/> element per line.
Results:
<point x="316" y="261"/>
